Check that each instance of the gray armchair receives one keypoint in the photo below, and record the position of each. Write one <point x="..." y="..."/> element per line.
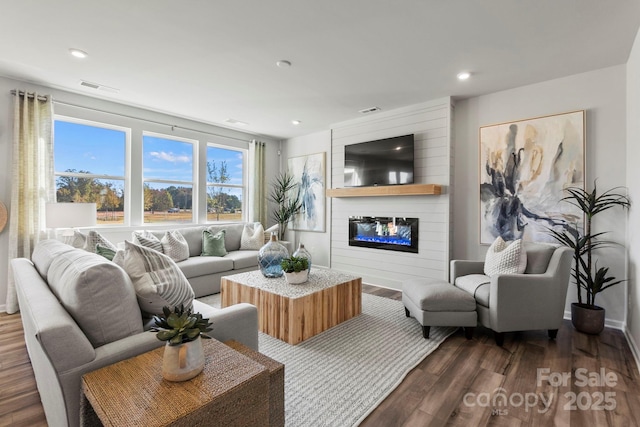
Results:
<point x="519" y="302"/>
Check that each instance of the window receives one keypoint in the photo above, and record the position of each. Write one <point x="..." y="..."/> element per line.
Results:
<point x="89" y="165"/>
<point x="168" y="176"/>
<point x="225" y="183"/>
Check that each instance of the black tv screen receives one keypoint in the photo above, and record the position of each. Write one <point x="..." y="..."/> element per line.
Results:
<point x="382" y="162"/>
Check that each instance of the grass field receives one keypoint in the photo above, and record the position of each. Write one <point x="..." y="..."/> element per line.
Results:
<point x="115" y="218"/>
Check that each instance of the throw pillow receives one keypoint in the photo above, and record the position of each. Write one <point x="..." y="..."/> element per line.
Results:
<point x="78" y="240"/>
<point x="157" y="280"/>
<point x="147" y="239"/>
<point x="213" y="244"/>
<point x="175" y="246"/>
<point x="94" y="238"/>
<point x="252" y="237"/>
<point x="106" y="252"/>
<point x="505" y="258"/>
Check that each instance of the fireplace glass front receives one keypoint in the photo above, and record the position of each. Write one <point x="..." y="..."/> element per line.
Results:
<point x="389" y="233"/>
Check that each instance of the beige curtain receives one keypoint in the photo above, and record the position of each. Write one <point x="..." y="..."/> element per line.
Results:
<point x="257" y="187"/>
<point x="32" y="181"/>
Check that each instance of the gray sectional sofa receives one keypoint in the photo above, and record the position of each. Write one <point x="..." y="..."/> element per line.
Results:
<point x="204" y="273"/>
<point x="80" y="313"/>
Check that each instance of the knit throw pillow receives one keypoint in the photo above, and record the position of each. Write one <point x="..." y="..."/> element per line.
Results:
<point x="505" y="258"/>
<point x="94" y="238"/>
<point x="252" y="237"/>
<point x="175" y="245"/>
<point x="157" y="280"/>
<point x="147" y="239"/>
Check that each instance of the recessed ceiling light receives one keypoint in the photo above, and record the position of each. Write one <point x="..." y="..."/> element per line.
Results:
<point x="464" y="75"/>
<point x="237" y="122"/>
<point x="78" y="53"/>
<point x="296" y="122"/>
<point x="283" y="63"/>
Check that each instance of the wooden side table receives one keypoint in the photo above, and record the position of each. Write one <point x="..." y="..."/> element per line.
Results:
<point x="276" y="381"/>
<point x="232" y="390"/>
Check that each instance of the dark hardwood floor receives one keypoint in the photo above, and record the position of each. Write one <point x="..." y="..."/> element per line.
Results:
<point x="455" y="385"/>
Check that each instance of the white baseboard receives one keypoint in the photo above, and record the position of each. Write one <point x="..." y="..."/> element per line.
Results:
<point x="615" y="324"/>
<point x="3" y="308"/>
<point x="633" y="346"/>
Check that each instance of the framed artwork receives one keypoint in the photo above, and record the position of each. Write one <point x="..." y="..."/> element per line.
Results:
<point x="308" y="172"/>
<point x="524" y="167"/>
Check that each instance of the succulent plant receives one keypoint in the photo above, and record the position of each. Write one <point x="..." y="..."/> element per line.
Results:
<point x="180" y="326"/>
<point x="294" y="264"/>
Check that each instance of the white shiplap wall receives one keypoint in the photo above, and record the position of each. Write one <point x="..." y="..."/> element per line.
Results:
<point x="431" y="124"/>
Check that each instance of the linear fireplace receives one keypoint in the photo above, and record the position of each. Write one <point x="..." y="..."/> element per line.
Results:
<point x="389" y="233"/>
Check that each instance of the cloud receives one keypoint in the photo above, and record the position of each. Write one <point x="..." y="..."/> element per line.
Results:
<point x="170" y="157"/>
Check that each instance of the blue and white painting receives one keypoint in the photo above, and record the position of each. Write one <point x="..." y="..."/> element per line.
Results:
<point x="524" y="168"/>
<point x="308" y="173"/>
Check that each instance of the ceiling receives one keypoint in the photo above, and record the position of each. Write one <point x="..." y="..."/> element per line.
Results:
<point x="213" y="60"/>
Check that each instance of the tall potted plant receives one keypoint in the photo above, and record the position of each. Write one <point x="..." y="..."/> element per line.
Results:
<point x="287" y="199"/>
<point x="586" y="316"/>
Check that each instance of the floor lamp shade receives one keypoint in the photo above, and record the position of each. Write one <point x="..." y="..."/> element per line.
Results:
<point x="70" y="215"/>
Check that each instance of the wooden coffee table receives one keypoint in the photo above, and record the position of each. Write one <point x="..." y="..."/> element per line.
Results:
<point x="293" y="313"/>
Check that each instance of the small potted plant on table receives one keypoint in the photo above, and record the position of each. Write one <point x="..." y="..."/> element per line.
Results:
<point x="183" y="356"/>
<point x="296" y="269"/>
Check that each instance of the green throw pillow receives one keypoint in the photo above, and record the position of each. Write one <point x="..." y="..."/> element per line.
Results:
<point x="106" y="252"/>
<point x="213" y="244"/>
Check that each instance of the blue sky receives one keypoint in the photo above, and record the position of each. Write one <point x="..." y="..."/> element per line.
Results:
<point x="102" y="151"/>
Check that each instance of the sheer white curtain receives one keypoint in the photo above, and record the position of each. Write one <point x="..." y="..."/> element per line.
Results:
<point x="32" y="181"/>
<point x="257" y="187"/>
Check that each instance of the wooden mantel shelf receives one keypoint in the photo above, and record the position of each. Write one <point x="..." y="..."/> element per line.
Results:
<point x="387" y="190"/>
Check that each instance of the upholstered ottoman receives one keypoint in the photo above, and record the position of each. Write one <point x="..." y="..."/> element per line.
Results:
<point x="435" y="302"/>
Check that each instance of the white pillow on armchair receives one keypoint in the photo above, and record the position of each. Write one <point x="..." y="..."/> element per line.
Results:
<point x="505" y="258"/>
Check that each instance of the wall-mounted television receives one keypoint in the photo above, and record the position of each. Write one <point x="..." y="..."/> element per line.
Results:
<point x="386" y="161"/>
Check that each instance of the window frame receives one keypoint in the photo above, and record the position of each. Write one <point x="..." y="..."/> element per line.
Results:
<point x="126" y="178"/>
<point x="243" y="186"/>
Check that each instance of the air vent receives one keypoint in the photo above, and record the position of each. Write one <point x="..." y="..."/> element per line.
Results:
<point x="237" y="122"/>
<point x="97" y="86"/>
<point x="369" y="110"/>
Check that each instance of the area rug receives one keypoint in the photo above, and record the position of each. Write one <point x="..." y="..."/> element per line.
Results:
<point x="338" y="377"/>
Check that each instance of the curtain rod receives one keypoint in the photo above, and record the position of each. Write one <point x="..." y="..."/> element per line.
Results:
<point x="42" y="98"/>
<point x="28" y="94"/>
<point x="149" y="121"/>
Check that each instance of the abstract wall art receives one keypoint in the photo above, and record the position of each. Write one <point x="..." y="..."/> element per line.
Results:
<point x="308" y="172"/>
<point x="524" y="167"/>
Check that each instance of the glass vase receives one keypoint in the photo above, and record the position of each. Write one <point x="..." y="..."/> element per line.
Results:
<point x="301" y="252"/>
<point x="270" y="256"/>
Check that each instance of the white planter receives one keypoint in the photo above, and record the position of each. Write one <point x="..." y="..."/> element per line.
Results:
<point x="297" y="278"/>
<point x="183" y="362"/>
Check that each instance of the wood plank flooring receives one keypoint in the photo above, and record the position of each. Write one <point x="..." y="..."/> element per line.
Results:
<point x="433" y="394"/>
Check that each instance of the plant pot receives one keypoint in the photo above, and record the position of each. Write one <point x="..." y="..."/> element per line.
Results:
<point x="297" y="278"/>
<point x="587" y="318"/>
<point x="184" y="361"/>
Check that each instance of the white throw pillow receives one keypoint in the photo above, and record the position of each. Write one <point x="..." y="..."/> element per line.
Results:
<point x="147" y="239"/>
<point x="175" y="245"/>
<point x="505" y="258"/>
<point x="252" y="237"/>
<point x="78" y="239"/>
<point x="157" y="280"/>
<point x="94" y="238"/>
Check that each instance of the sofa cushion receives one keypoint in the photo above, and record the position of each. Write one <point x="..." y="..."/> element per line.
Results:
<point x="97" y="294"/>
<point x="471" y="282"/>
<point x="157" y="280"/>
<point x="193" y="236"/>
<point x="213" y="243"/>
<point x="437" y="295"/>
<point x="243" y="259"/>
<point x="45" y="252"/>
<point x="538" y="256"/>
<point x="482" y="294"/>
<point x="252" y="236"/>
<point x="232" y="236"/>
<point x="202" y="266"/>
<point x="175" y="246"/>
<point x="505" y="258"/>
<point x="147" y="239"/>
